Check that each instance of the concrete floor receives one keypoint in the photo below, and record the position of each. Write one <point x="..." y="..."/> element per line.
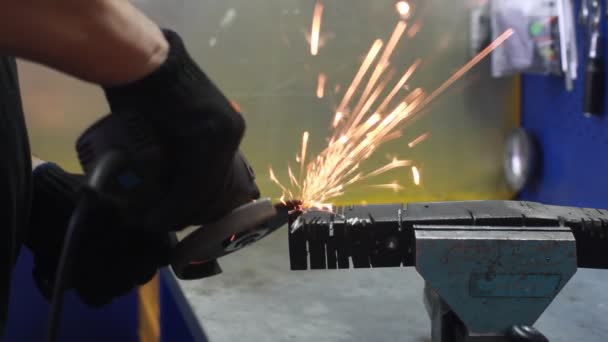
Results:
<point x="257" y="298"/>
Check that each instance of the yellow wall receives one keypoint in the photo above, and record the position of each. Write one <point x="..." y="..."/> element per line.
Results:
<point x="261" y="60"/>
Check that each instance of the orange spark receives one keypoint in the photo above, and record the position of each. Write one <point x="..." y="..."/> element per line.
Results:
<point x="321" y="85"/>
<point x="275" y="180"/>
<point x="416" y="175"/>
<point x="315" y="31"/>
<point x="273" y="177"/>
<point x="371" y="55"/>
<point x="391" y="136"/>
<point x="355" y="179"/>
<point x="390" y="166"/>
<point x="336" y="167"/>
<point x="406" y="76"/>
<point x="418" y="140"/>
<point x="391" y="186"/>
<point x="403" y="7"/>
<point x="292" y="177"/>
<point x="305" y="137"/>
<point x="360" y="112"/>
<point x="337" y="119"/>
<point x="324" y="37"/>
<point x="464" y="69"/>
<point x="373" y="120"/>
<point x="383" y="63"/>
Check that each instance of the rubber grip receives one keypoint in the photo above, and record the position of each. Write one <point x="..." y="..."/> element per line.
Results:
<point x="593" y="97"/>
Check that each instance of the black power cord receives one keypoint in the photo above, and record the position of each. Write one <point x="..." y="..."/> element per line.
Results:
<point x="89" y="197"/>
<point x="75" y="229"/>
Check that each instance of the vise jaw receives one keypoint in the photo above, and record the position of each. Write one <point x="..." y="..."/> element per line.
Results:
<point x="491" y="278"/>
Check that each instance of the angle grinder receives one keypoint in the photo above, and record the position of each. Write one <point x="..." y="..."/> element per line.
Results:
<point x="127" y="164"/>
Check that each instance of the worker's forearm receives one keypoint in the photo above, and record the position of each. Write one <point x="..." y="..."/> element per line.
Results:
<point x="108" y="42"/>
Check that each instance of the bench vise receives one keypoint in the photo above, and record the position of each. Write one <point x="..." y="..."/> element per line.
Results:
<point x="491" y="268"/>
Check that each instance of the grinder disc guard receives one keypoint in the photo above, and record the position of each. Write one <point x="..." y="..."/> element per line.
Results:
<point x="196" y="248"/>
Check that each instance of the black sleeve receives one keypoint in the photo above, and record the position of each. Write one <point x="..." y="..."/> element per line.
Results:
<point x="15" y="177"/>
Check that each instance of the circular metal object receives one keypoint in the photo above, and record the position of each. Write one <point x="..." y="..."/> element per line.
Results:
<point x="235" y="242"/>
<point x="519" y="159"/>
<point x="199" y="246"/>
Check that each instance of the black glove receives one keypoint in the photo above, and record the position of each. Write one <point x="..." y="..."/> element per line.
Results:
<point x="201" y="132"/>
<point x="109" y="260"/>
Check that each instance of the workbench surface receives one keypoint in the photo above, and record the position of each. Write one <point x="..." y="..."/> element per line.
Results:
<point x="257" y="298"/>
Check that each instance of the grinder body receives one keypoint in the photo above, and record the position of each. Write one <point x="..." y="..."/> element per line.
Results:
<point x="141" y="176"/>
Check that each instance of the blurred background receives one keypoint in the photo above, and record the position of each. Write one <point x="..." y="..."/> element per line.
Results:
<point x="259" y="54"/>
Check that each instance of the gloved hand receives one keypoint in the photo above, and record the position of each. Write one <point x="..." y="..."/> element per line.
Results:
<point x="201" y="132"/>
<point x="109" y="260"/>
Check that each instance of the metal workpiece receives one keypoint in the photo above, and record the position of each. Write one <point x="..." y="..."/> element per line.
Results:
<point x="352" y="236"/>
<point x="366" y="236"/>
<point x="491" y="268"/>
